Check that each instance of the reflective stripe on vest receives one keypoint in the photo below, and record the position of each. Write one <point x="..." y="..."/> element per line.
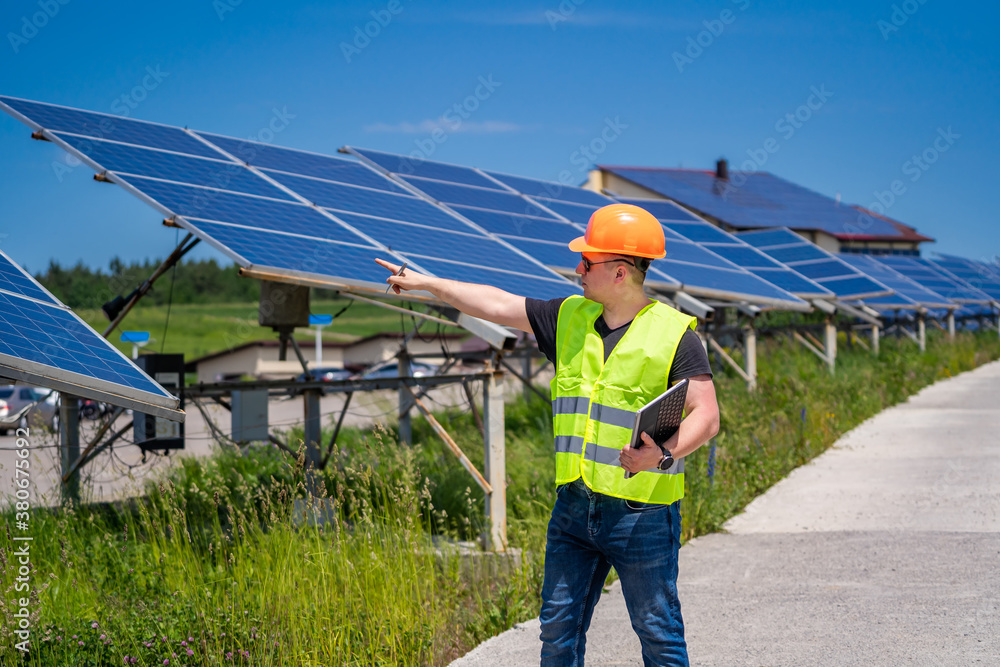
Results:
<point x="594" y="404"/>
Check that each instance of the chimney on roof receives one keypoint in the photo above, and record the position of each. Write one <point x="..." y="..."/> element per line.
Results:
<point x="722" y="169"/>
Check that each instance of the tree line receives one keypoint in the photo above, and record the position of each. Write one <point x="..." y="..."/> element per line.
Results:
<point x="194" y="282"/>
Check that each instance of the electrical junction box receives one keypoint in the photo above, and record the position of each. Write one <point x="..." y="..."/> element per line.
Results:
<point x="283" y="305"/>
<point x="249" y="415"/>
<point x="151" y="432"/>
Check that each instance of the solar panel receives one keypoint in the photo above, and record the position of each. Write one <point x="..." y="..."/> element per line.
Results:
<point x="56" y="118"/>
<point x="908" y="294"/>
<point x="411" y="166"/>
<point x="292" y="212"/>
<point x="755" y="200"/>
<point x="43" y="342"/>
<point x="975" y="274"/>
<point x="733" y="249"/>
<point x="820" y="266"/>
<point x="927" y="275"/>
<point x="15" y="280"/>
<point x="524" y="221"/>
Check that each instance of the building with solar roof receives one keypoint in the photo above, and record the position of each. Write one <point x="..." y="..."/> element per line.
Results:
<point x="740" y="201"/>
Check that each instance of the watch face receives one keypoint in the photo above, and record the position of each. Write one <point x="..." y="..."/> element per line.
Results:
<point x="666" y="462"/>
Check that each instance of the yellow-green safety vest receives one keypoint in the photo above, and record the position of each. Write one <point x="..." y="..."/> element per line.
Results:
<point x="594" y="403"/>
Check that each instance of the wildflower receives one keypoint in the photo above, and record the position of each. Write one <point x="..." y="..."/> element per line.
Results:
<point x="183" y="643"/>
<point x="190" y="652"/>
<point x="103" y="637"/>
<point x="126" y="660"/>
<point x="80" y="643"/>
<point x="190" y="639"/>
<point x="94" y="625"/>
<point x="75" y="637"/>
<point x="166" y="661"/>
<point x="229" y="655"/>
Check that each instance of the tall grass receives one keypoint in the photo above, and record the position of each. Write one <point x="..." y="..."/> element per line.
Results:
<point x="229" y="560"/>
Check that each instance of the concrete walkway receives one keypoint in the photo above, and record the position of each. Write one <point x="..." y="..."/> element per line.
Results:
<point x="885" y="550"/>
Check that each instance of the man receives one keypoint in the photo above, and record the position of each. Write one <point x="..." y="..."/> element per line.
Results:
<point x="614" y="350"/>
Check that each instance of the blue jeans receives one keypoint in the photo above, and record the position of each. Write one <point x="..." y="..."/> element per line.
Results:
<point x="589" y="533"/>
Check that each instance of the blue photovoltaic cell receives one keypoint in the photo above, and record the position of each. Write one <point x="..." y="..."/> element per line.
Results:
<point x="724" y="280"/>
<point x="755" y="200"/>
<point x="128" y="159"/>
<point x="418" y="240"/>
<point x="115" y="128"/>
<point x="551" y="190"/>
<point x="790" y="281"/>
<point x="192" y="202"/>
<point x="13" y="279"/>
<point x="771" y="237"/>
<point x="522" y="284"/>
<point x="829" y="268"/>
<point x="326" y="167"/>
<point x="747" y="257"/>
<point x="51" y="335"/>
<point x="511" y="224"/>
<point x="464" y="195"/>
<point x="804" y="252"/>
<point x="664" y="210"/>
<point x="407" y="166"/>
<point x="295" y="253"/>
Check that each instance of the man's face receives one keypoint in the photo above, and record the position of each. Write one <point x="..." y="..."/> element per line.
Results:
<point x="599" y="280"/>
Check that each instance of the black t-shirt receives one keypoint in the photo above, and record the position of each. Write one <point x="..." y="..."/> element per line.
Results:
<point x="689" y="360"/>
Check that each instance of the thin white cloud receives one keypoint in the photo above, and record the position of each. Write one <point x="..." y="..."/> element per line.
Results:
<point x="451" y="127"/>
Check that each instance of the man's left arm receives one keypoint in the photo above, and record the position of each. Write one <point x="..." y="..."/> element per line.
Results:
<point x="700" y="424"/>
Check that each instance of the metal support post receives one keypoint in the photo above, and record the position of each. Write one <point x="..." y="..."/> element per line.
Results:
<point x="526" y="373"/>
<point x="69" y="436"/>
<point x="750" y="354"/>
<point x="312" y="426"/>
<point x="830" y="344"/>
<point x="951" y="325"/>
<point x="496" y="463"/>
<point x="921" y="332"/>
<point x="405" y="402"/>
<point x="876" y="336"/>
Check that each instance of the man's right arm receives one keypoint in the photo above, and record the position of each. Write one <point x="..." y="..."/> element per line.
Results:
<point x="482" y="301"/>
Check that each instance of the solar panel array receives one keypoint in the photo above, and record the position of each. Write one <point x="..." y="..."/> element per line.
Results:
<point x="291" y="212"/>
<point x="540" y="217"/>
<point x="844" y="280"/>
<point x="755" y="200"/>
<point x="44" y="342"/>
<point x="928" y="275"/>
<point x="975" y="274"/>
<point x="907" y="294"/>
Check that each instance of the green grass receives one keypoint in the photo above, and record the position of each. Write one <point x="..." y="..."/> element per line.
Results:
<point x="214" y="553"/>
<point x="199" y="329"/>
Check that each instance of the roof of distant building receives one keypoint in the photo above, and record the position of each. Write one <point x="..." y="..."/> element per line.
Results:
<point x="754" y="200"/>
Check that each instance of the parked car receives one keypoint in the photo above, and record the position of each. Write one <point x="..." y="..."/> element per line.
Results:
<point x="325" y="374"/>
<point x="390" y="369"/>
<point x="4" y="409"/>
<point x="44" y="402"/>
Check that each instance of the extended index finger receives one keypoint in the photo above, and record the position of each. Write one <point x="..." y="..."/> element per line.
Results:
<point x="387" y="265"/>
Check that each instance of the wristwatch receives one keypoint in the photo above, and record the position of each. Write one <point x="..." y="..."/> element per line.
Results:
<point x="666" y="461"/>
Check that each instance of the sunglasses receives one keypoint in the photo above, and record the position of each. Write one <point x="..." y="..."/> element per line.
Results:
<point x="587" y="263"/>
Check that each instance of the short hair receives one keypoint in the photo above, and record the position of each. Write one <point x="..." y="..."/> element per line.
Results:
<point x="637" y="272"/>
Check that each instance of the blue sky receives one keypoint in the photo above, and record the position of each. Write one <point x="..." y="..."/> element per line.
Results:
<point x="894" y="74"/>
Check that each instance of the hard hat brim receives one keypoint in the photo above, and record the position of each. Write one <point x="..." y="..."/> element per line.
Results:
<point x="579" y="244"/>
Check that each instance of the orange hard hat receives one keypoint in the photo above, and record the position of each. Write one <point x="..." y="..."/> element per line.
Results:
<point x="622" y="229"/>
